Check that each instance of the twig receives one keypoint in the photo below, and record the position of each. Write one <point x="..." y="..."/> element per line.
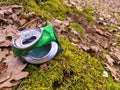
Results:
<point x="29" y="23"/>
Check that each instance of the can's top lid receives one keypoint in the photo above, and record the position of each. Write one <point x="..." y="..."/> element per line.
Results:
<point x="26" y="38"/>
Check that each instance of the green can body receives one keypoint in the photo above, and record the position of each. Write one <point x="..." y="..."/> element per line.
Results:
<point x="48" y="35"/>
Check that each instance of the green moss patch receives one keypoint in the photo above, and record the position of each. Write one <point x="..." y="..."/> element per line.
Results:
<point x="48" y="9"/>
<point x="109" y="27"/>
<point x="89" y="14"/>
<point x="77" y="27"/>
<point x="70" y="70"/>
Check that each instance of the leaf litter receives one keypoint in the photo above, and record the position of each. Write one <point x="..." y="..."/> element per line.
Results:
<point x="11" y="67"/>
<point x="96" y="41"/>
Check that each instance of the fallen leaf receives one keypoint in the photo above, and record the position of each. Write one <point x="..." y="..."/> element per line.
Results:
<point x="84" y="47"/>
<point x="6" y="10"/>
<point x="15" y="18"/>
<point x="117" y="54"/>
<point x="1" y="13"/>
<point x="109" y="59"/>
<point x="75" y="40"/>
<point x="17" y="9"/>
<point x="15" y="67"/>
<point x="4" y="76"/>
<point x="56" y="23"/>
<point x="95" y="48"/>
<point x="23" y="21"/>
<point x="6" y="43"/>
<point x="2" y="37"/>
<point x="30" y="16"/>
<point x="115" y="72"/>
<point x="3" y="67"/>
<point x="74" y="32"/>
<point x="44" y="66"/>
<point x="3" y="54"/>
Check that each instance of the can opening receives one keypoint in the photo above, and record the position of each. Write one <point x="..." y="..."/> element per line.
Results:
<point x="40" y="52"/>
<point x="29" y="40"/>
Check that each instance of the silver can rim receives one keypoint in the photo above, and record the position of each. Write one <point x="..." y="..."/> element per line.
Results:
<point x="33" y="60"/>
<point x="38" y="30"/>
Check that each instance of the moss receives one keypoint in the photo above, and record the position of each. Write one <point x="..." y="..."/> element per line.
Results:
<point x="57" y="9"/>
<point x="89" y="14"/>
<point x="109" y="27"/>
<point x="70" y="70"/>
<point x="118" y="20"/>
<point x="77" y="27"/>
<point x="48" y="9"/>
<point x="32" y="6"/>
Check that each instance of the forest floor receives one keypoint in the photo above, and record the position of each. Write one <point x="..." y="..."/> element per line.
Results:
<point x="89" y="32"/>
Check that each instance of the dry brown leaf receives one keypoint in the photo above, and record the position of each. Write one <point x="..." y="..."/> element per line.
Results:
<point x="6" y="43"/>
<point x="74" y="32"/>
<point x="114" y="71"/>
<point x="75" y="40"/>
<point x="30" y="16"/>
<point x="3" y="67"/>
<point x="2" y="37"/>
<point x="117" y="54"/>
<point x="1" y="13"/>
<point x="84" y="47"/>
<point x="15" y="67"/>
<point x="6" y="10"/>
<point x="109" y="59"/>
<point x="44" y="66"/>
<point x="95" y="48"/>
<point x="56" y="23"/>
<point x="15" y="18"/>
<point x="4" y="76"/>
<point x="10" y="30"/>
<point x="6" y="89"/>
<point x="23" y="21"/>
<point x="29" y="23"/>
<point x="3" y="54"/>
<point x="32" y="25"/>
<point x="17" y="9"/>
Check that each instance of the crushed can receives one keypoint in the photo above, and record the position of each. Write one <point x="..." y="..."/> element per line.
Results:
<point x="37" y="45"/>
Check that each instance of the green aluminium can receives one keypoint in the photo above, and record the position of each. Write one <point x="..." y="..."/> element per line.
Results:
<point x="37" y="45"/>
